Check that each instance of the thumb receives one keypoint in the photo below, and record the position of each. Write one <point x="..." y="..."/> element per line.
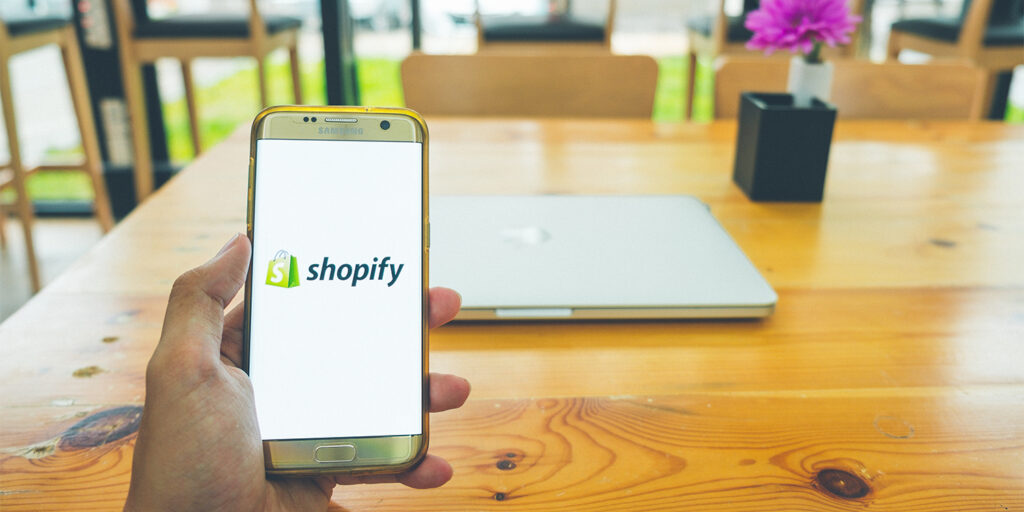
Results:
<point x="195" y="311"/>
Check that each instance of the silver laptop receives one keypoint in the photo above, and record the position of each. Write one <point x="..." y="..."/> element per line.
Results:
<point x="588" y="257"/>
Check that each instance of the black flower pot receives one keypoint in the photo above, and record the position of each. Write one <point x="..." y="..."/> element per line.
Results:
<point x="782" y="150"/>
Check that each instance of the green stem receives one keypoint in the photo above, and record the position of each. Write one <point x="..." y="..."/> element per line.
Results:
<point x="815" y="56"/>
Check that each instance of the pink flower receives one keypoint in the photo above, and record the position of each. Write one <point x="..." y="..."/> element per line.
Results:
<point x="800" y="25"/>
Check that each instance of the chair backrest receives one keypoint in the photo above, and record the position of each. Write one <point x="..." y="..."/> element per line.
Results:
<point x="720" y="23"/>
<point x="609" y="26"/>
<point x="588" y="84"/>
<point x="863" y="90"/>
<point x="977" y="15"/>
<point x="996" y="12"/>
<point x="127" y="11"/>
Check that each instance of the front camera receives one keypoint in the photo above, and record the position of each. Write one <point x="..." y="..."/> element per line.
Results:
<point x="313" y="119"/>
<point x="384" y="125"/>
<point x="305" y="119"/>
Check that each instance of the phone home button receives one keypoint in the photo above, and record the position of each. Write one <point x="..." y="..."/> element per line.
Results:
<point x="334" y="453"/>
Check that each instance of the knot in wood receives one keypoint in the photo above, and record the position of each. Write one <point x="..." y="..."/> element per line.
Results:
<point x="843" y="484"/>
<point x="103" y="427"/>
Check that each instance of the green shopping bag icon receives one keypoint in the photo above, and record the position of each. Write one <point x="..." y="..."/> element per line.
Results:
<point x="283" y="270"/>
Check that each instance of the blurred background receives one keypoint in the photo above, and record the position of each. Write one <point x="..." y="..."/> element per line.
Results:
<point x="228" y="95"/>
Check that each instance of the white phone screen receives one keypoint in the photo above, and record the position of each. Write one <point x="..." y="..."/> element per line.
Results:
<point x="335" y="346"/>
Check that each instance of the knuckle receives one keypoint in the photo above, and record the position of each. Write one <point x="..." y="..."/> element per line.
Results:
<point x="186" y="367"/>
<point x="159" y="373"/>
<point x="153" y="370"/>
<point x="205" y="369"/>
<point x="186" y="283"/>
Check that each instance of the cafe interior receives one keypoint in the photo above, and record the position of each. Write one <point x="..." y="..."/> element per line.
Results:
<point x="711" y="254"/>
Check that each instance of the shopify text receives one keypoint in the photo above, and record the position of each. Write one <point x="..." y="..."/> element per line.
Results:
<point x="356" y="272"/>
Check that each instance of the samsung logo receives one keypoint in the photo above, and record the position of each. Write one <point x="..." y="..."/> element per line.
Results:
<point x="339" y="130"/>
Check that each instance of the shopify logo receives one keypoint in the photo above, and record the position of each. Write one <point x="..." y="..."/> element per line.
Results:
<point x="356" y="272"/>
<point x="283" y="270"/>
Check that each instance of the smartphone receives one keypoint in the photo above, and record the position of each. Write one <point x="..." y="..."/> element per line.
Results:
<point x="335" y="338"/>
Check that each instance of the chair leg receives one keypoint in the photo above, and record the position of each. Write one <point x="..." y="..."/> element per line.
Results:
<point x="136" y="101"/>
<point x="892" y="52"/>
<point x="87" y="127"/>
<point x="861" y="44"/>
<point x="293" y="57"/>
<point x="691" y="80"/>
<point x="262" y="72"/>
<point x="193" y="108"/>
<point x="23" y="202"/>
<point x="994" y="94"/>
<point x="3" y="232"/>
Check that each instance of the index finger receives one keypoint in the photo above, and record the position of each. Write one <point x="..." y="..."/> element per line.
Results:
<point x="444" y="305"/>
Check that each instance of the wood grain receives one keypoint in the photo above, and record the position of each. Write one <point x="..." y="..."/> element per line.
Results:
<point x="681" y="452"/>
<point x="890" y="372"/>
<point x="716" y="452"/>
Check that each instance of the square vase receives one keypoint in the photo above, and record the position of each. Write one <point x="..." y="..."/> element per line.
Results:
<point x="782" y="150"/>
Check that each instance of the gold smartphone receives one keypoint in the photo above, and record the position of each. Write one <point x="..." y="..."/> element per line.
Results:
<point x="335" y="339"/>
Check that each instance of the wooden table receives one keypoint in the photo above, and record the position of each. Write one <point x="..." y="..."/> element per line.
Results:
<point x="891" y="375"/>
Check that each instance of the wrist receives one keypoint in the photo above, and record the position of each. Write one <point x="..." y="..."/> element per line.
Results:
<point x="133" y="503"/>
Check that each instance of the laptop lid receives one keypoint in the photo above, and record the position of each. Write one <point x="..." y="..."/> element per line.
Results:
<point x="579" y="257"/>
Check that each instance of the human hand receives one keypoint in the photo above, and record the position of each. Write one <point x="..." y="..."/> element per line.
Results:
<point x="199" y="445"/>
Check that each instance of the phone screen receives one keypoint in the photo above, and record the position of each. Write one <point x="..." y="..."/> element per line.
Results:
<point x="335" y="347"/>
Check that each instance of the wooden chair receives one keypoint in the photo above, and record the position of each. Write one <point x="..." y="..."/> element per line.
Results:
<point x="863" y="90"/>
<point x="532" y="85"/>
<point x="544" y="33"/>
<point x="721" y="34"/>
<point x="186" y="37"/>
<point x="19" y="35"/>
<point x="988" y="33"/>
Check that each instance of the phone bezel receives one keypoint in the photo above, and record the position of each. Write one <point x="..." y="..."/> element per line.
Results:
<point x="394" y="454"/>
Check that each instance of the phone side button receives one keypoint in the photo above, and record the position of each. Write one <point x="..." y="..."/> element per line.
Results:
<point x="334" y="453"/>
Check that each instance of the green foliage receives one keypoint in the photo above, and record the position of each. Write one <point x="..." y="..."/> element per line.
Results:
<point x="380" y="82"/>
<point x="669" y="101"/>
<point x="1014" y="113"/>
<point x="704" y="91"/>
<point x="235" y="100"/>
<point x="54" y="186"/>
<point x="232" y="101"/>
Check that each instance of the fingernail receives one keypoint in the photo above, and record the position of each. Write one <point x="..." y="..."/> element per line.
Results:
<point x="228" y="244"/>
